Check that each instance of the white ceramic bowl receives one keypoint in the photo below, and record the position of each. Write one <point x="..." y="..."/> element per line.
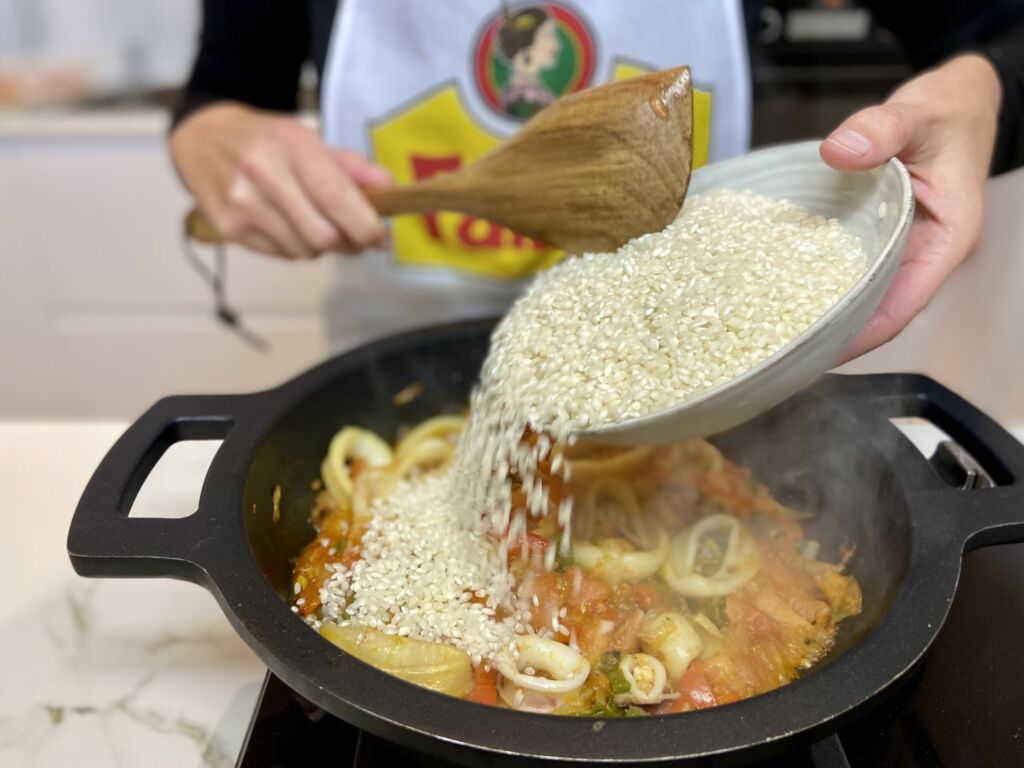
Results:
<point x="876" y="205"/>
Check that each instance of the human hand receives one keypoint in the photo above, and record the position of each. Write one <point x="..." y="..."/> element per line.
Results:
<point x="942" y="125"/>
<point x="266" y="181"/>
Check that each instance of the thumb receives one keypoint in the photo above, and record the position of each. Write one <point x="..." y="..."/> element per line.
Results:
<point x="868" y="138"/>
<point x="360" y="170"/>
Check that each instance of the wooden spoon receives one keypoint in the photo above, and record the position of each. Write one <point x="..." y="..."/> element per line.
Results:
<point x="588" y="173"/>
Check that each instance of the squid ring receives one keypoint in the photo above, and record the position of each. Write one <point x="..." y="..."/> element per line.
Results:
<point x="349" y="444"/>
<point x="739" y="564"/>
<point x="532" y="665"/>
<point x="444" y="428"/>
<point x="647" y="679"/>
<point x="426" y="453"/>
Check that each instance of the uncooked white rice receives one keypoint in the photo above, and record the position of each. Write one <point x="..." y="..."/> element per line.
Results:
<point x="419" y="570"/>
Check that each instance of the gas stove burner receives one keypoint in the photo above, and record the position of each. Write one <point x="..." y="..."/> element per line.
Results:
<point x="962" y="708"/>
<point x="287" y="731"/>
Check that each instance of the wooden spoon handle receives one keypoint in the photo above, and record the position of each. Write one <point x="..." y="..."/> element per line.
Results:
<point x="200" y="229"/>
<point x="421" y="197"/>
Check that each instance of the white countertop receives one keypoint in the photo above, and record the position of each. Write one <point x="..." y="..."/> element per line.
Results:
<point x="99" y="672"/>
<point x="64" y="122"/>
<point x="46" y="124"/>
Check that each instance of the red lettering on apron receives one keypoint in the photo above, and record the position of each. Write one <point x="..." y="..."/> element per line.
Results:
<point x="424" y="168"/>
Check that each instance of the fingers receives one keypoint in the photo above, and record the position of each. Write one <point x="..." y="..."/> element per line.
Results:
<point x="942" y="125"/>
<point x="254" y="221"/>
<point x="869" y="138"/>
<point x="926" y="266"/>
<point x="947" y="226"/>
<point x="270" y="183"/>
<point x="338" y="196"/>
<point x="278" y="184"/>
<point x="866" y="140"/>
<point x="887" y="321"/>
<point x="312" y="192"/>
<point x="360" y="170"/>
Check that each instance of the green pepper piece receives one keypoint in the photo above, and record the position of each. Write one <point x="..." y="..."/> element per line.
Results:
<point x="564" y="560"/>
<point x="605" y="709"/>
<point x="618" y="681"/>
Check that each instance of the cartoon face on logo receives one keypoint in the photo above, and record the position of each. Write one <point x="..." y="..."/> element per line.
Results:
<point x="527" y="57"/>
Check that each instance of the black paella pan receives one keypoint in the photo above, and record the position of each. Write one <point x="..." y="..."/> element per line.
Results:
<point x="830" y="448"/>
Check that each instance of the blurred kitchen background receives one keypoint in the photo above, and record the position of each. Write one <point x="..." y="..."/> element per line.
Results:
<point x="100" y="313"/>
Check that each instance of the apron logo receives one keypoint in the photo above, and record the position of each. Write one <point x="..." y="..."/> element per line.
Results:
<point x="527" y="58"/>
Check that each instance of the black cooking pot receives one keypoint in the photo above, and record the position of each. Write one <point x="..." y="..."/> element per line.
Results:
<point x="830" y="448"/>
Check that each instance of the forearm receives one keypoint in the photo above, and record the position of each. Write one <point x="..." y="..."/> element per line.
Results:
<point x="250" y="51"/>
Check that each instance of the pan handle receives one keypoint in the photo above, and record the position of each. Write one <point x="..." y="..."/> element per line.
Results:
<point x="103" y="540"/>
<point x="986" y="515"/>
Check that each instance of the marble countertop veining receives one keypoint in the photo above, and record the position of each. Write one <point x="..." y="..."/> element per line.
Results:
<point x="104" y="672"/>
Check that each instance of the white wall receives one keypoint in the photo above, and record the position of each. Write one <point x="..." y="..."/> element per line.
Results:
<point x="120" y="44"/>
<point x="100" y="314"/>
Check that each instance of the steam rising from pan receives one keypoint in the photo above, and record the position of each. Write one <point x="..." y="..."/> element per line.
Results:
<point x="802" y="451"/>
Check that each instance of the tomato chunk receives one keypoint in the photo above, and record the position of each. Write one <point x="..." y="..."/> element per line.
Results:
<point x="694" y="688"/>
<point x="485" y="686"/>
<point x="536" y="545"/>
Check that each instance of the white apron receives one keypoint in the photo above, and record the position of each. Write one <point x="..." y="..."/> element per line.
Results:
<point x="422" y="87"/>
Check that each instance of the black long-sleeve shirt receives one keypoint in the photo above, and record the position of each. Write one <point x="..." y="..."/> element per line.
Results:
<point x="253" y="51"/>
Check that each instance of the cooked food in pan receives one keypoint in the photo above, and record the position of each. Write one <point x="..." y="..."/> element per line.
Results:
<point x="678" y="582"/>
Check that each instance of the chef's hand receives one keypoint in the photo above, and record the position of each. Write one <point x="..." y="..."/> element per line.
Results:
<point x="942" y="125"/>
<point x="268" y="182"/>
